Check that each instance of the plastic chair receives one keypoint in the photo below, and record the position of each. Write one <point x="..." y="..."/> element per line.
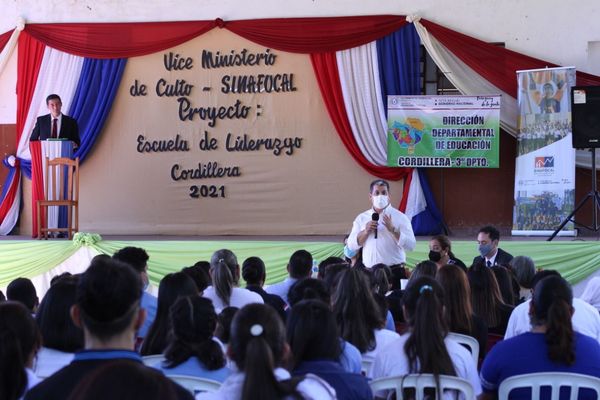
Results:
<point x="153" y="360"/>
<point x="366" y="365"/>
<point x="60" y="171"/>
<point x="420" y="382"/>
<point x="468" y="341"/>
<point x="195" y="384"/>
<point x="554" y="380"/>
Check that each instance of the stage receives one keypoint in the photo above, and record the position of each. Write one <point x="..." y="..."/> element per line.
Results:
<point x="577" y="259"/>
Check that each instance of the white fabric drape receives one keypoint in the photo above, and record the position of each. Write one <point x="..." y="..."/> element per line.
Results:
<point x="9" y="48"/>
<point x="59" y="73"/>
<point x="9" y="222"/>
<point x="359" y="77"/>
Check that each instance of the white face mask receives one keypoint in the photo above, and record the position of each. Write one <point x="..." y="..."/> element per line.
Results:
<point x="380" y="201"/>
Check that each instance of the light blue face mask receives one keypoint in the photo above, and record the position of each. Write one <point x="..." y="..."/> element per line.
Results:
<point x="484" y="249"/>
<point x="349" y="253"/>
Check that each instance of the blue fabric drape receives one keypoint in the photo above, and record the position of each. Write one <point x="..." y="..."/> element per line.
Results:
<point x="399" y="56"/>
<point x="9" y="179"/>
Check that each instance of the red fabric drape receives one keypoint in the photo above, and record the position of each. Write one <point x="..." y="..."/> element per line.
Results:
<point x="326" y="71"/>
<point x="30" y="55"/>
<point x="117" y="40"/>
<point x="37" y="183"/>
<point x="4" y="38"/>
<point x="8" y="200"/>
<point x="316" y="35"/>
<point x="496" y="64"/>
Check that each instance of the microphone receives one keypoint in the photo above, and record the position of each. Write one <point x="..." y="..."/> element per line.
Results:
<point x="375" y="217"/>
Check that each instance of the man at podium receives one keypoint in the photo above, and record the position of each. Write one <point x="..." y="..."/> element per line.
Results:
<point x="56" y="125"/>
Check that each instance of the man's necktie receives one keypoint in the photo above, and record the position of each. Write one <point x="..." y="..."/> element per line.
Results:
<point x="488" y="263"/>
<point x="54" y="128"/>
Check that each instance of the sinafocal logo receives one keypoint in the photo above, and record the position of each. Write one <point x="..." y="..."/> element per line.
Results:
<point x="544" y="162"/>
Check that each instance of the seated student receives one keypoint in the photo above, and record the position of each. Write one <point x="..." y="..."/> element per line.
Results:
<point x="486" y="299"/>
<point x="225" y="274"/>
<point x="299" y="267"/>
<point x="60" y="337"/>
<point x="23" y="291"/>
<point x="199" y="275"/>
<point x="425" y="349"/>
<point x="124" y="379"/>
<point x="191" y="349"/>
<point x="459" y="311"/>
<point x="258" y="348"/>
<point x="381" y="276"/>
<point x="591" y="293"/>
<point x="254" y="273"/>
<point x="551" y="346"/>
<point x="108" y="310"/>
<point x="171" y="287"/>
<point x="137" y="258"/>
<point x="523" y="270"/>
<point x="585" y="319"/>
<point x="19" y="342"/>
<point x="314" y="340"/>
<point x="358" y="315"/>
<point x="223" y="328"/>
<point x="326" y="263"/>
<point x="314" y="289"/>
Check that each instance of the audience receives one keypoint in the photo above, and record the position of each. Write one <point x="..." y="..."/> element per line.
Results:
<point x="23" y="291"/>
<point x="425" y="348"/>
<point x="137" y="259"/>
<point x="358" y="315"/>
<point x="19" y="342"/>
<point x="314" y="341"/>
<point x="440" y="252"/>
<point x="326" y="263"/>
<point x="60" y="337"/>
<point x="199" y="275"/>
<point x="424" y="268"/>
<point x="223" y="329"/>
<point x="506" y="283"/>
<point x="299" y="267"/>
<point x="523" y="270"/>
<point x="258" y="348"/>
<point x="191" y="349"/>
<point x="552" y="345"/>
<point x="108" y="309"/>
<point x="459" y="311"/>
<point x="171" y="287"/>
<point x="225" y="275"/>
<point x="254" y="273"/>
<point x="591" y="294"/>
<point x="486" y="299"/>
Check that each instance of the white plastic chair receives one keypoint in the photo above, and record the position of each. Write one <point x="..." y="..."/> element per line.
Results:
<point x="554" y="380"/>
<point x="420" y="382"/>
<point x="153" y="360"/>
<point x="469" y="341"/>
<point x="366" y="364"/>
<point x="195" y="384"/>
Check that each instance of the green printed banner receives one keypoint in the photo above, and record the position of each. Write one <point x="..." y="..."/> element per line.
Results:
<point x="443" y="131"/>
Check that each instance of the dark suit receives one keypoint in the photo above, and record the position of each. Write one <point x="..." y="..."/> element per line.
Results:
<point x="68" y="129"/>
<point x="502" y="258"/>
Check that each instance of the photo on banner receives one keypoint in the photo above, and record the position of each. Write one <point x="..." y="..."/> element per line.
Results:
<point x="545" y="165"/>
<point x="444" y="131"/>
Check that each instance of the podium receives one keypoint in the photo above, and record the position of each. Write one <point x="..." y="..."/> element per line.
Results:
<point x="51" y="148"/>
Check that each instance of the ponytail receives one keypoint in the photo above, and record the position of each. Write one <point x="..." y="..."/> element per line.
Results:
<point x="559" y="333"/>
<point x="223" y="265"/>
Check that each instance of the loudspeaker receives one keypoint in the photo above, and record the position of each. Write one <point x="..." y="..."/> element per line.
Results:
<point x="585" y="113"/>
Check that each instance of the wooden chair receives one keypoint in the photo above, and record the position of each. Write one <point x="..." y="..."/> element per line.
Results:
<point x="420" y="382"/>
<point x="61" y="189"/>
<point x="553" y="380"/>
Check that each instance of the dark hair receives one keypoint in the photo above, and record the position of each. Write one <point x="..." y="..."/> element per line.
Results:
<point x="543" y="274"/>
<point x="331" y="274"/>
<point x="491" y="231"/>
<point x="327" y="262"/>
<point x="425" y="347"/>
<point x="171" y="287"/>
<point x="504" y="278"/>
<point x="193" y="322"/>
<point x="300" y="264"/>
<point x="257" y="346"/>
<point x="399" y="272"/>
<point x="308" y="289"/>
<point x="108" y="296"/>
<point x="312" y="332"/>
<point x="523" y="269"/>
<point x="356" y="311"/>
<point x="253" y="271"/>
<point x="2" y="297"/>
<point x="124" y="379"/>
<point x="54" y="317"/>
<point x="136" y="257"/>
<point x="205" y="265"/>
<point x="457" y="298"/>
<point x="199" y="275"/>
<point x="445" y="243"/>
<point x="381" y="275"/>
<point x="23" y="291"/>
<point x="224" y="319"/>
<point x="378" y="182"/>
<point x="485" y="294"/>
<point x="424" y="268"/>
<point x="224" y="269"/>
<point x="552" y="306"/>
<point x="19" y="339"/>
<point x="52" y="97"/>
<point x="57" y="278"/>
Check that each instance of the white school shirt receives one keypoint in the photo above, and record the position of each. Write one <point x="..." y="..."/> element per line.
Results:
<point x="239" y="298"/>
